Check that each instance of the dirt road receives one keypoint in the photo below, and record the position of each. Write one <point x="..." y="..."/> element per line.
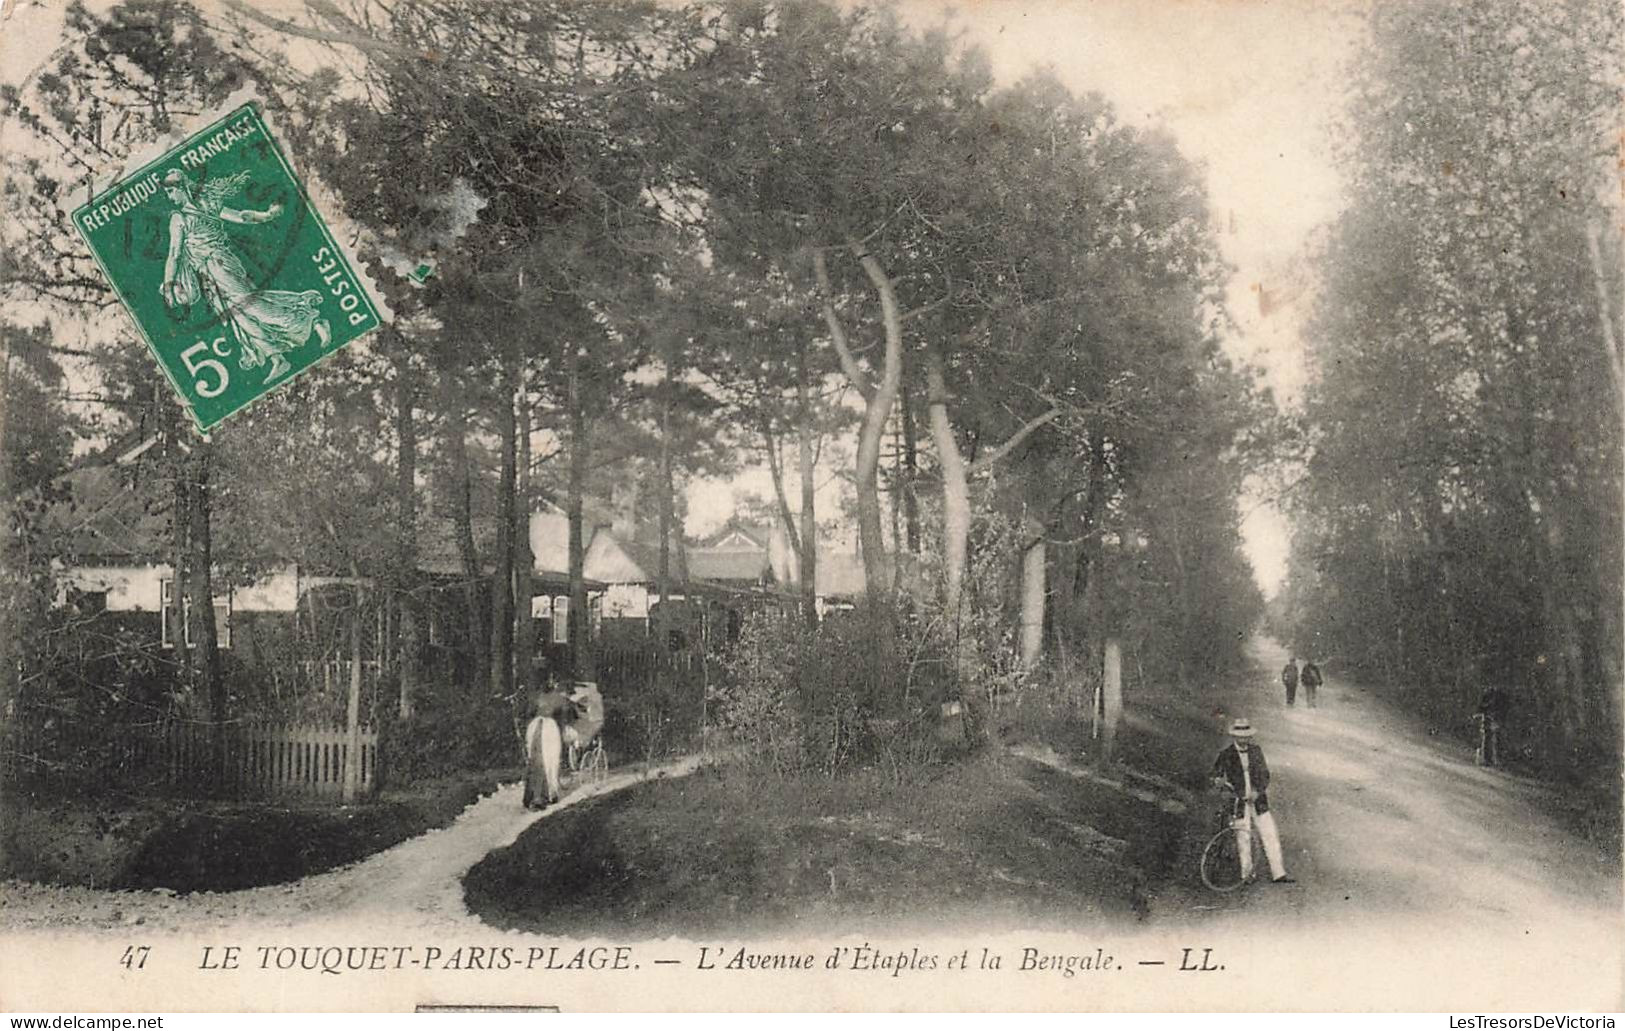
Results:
<point x="1435" y="878"/>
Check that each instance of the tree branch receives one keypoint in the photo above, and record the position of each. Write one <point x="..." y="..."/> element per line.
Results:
<point x="986" y="462"/>
<point x="849" y="361"/>
<point x="1604" y="311"/>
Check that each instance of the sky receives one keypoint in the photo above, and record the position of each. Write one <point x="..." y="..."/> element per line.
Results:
<point x="1248" y="88"/>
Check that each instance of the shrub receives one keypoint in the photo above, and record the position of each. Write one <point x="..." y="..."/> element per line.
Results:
<point x="827" y="701"/>
<point x="447" y="735"/>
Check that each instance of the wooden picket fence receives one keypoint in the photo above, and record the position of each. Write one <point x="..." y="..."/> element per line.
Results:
<point x="630" y="667"/>
<point x="257" y="760"/>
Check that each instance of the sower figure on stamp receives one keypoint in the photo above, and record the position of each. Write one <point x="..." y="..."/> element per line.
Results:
<point x="201" y="265"/>
<point x="1242" y="768"/>
<point x="1289" y="677"/>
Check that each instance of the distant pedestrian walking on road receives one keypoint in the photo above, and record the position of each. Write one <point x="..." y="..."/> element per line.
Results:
<point x="1289" y="677"/>
<point x="1242" y="768"/>
<point x="1311" y="680"/>
<point x="1491" y="716"/>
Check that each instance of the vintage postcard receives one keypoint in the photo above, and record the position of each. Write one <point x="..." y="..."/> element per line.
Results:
<point x="812" y="505"/>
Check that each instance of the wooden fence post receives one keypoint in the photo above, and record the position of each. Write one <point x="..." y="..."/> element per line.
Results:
<point x="352" y="747"/>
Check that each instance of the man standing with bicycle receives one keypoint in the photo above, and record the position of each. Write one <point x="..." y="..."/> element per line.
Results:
<point x="1242" y="768"/>
<point x="1491" y="715"/>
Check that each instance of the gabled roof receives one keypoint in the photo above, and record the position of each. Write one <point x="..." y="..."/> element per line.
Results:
<point x="439" y="553"/>
<point x="736" y="534"/>
<point x="109" y="517"/>
<point x="730" y="564"/>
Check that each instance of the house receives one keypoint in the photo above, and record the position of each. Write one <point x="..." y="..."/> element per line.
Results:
<point x="759" y="552"/>
<point x="448" y="592"/>
<point x="289" y="622"/>
<point x="838" y="580"/>
<point x="710" y="588"/>
<point x="114" y="561"/>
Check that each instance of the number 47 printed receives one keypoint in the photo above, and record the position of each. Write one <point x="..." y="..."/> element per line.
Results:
<point x="232" y="277"/>
<point x="135" y="957"/>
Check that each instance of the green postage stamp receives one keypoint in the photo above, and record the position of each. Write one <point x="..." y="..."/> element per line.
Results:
<point x="233" y="278"/>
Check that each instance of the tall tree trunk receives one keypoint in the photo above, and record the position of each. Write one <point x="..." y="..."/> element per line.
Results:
<point x="180" y="544"/>
<point x="878" y="398"/>
<point x="1111" y="696"/>
<point x="463" y="514"/>
<point x="502" y="601"/>
<point x="1564" y="661"/>
<point x="808" y="541"/>
<point x="201" y="597"/>
<point x="524" y="560"/>
<point x="955" y="487"/>
<point x="781" y="497"/>
<point x="11" y="574"/>
<point x="408" y="637"/>
<point x="1087" y="586"/>
<point x="663" y="574"/>
<point x="1613" y="616"/>
<point x="877" y="573"/>
<point x="582" y="665"/>
<point x="352" y="708"/>
<point x="910" y="473"/>
<point x="1034" y="566"/>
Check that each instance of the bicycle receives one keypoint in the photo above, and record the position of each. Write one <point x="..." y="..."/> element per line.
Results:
<point x="1220" y="865"/>
<point x="589" y="763"/>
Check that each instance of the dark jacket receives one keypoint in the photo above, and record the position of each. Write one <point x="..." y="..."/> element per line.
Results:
<point x="1494" y="703"/>
<point x="1289" y="674"/>
<point x="1228" y="766"/>
<point x="553" y="703"/>
<point x="1311" y="675"/>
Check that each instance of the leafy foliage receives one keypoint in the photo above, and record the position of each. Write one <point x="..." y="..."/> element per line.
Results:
<point x="1460" y="523"/>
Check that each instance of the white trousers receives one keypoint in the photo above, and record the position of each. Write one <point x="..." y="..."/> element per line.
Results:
<point x="1272" y="842"/>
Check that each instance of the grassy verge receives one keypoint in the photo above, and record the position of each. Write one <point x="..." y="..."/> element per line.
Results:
<point x="997" y="839"/>
<point x="216" y="846"/>
<point x="993" y="838"/>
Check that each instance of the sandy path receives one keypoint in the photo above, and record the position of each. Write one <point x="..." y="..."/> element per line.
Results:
<point x="414" y="885"/>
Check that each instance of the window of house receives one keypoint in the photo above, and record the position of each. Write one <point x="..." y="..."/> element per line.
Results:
<point x="167" y="633"/>
<point x="561" y="620"/>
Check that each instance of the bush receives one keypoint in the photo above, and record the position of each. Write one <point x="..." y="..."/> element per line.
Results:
<point x="447" y="736"/>
<point x="655" y="717"/>
<point x="827" y="701"/>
